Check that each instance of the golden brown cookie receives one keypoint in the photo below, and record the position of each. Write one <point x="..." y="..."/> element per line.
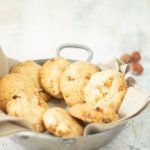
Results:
<point x="92" y="114"/>
<point x="28" y="107"/>
<point x="73" y="80"/>
<point x="50" y="75"/>
<point x="12" y="84"/>
<point x="31" y="69"/>
<point x="60" y="123"/>
<point x="106" y="88"/>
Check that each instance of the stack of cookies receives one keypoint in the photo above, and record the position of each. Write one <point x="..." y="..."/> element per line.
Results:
<point x="91" y="95"/>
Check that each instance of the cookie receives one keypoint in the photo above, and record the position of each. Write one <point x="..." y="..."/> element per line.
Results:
<point x="73" y="80"/>
<point x="60" y="123"/>
<point x="106" y="88"/>
<point x="31" y="69"/>
<point x="28" y="107"/>
<point x="13" y="83"/>
<point x="50" y="75"/>
<point x="91" y="114"/>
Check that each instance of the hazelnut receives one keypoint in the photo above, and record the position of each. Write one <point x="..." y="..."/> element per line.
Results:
<point x="137" y="68"/>
<point x="126" y="58"/>
<point x="136" y="56"/>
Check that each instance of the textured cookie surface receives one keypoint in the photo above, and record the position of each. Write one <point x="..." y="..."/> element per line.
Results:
<point x="106" y="88"/>
<point x="12" y="84"/>
<point x="73" y="80"/>
<point x="91" y="114"/>
<point x="31" y="69"/>
<point x="60" y="123"/>
<point x="50" y="75"/>
<point x="30" y="108"/>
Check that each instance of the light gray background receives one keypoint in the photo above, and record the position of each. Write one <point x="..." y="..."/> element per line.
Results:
<point x="33" y="29"/>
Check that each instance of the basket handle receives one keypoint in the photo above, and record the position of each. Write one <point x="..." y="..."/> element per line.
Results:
<point x="77" y="46"/>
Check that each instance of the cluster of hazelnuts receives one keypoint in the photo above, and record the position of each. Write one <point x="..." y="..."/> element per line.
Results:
<point x="133" y="59"/>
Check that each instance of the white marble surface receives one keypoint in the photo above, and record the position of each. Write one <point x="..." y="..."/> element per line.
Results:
<point x="35" y="28"/>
